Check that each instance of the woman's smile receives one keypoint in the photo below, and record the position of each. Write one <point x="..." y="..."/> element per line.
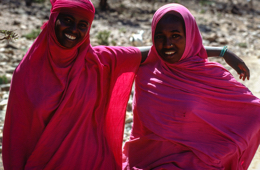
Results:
<point x="70" y="37"/>
<point x="170" y="52"/>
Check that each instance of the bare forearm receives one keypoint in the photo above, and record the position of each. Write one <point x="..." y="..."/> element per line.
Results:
<point x="231" y="59"/>
<point x="213" y="51"/>
<point x="144" y="51"/>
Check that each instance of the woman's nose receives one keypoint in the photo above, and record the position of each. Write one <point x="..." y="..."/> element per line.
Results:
<point x="168" y="43"/>
<point x="74" y="28"/>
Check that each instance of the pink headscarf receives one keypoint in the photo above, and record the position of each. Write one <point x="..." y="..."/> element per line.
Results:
<point x="191" y="114"/>
<point x="66" y="107"/>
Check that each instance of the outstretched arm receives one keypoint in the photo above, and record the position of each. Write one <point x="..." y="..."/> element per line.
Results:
<point x="144" y="51"/>
<point x="232" y="60"/>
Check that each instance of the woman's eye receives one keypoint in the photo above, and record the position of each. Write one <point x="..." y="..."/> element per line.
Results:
<point x="83" y="25"/>
<point x="175" y="35"/>
<point x="158" y="37"/>
<point x="67" y="20"/>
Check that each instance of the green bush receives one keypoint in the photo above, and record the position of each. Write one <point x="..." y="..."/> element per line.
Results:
<point x="122" y="30"/>
<point x="205" y="2"/>
<point x="102" y="37"/>
<point x="8" y="35"/>
<point x="39" y="1"/>
<point x="242" y="45"/>
<point x="32" y="35"/>
<point x="4" y="80"/>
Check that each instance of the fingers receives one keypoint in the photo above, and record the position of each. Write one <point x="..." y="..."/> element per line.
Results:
<point x="241" y="76"/>
<point x="245" y="73"/>
<point x="248" y="74"/>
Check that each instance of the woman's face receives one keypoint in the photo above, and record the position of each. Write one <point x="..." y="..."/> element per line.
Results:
<point x="70" y="29"/>
<point x="170" y="38"/>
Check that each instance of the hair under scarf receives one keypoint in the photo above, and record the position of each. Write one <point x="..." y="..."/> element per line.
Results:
<point x="192" y="114"/>
<point x="66" y="107"/>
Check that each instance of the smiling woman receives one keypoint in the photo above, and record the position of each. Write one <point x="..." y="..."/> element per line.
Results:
<point x="170" y="38"/>
<point x="67" y="100"/>
<point x="70" y="29"/>
<point x="189" y="113"/>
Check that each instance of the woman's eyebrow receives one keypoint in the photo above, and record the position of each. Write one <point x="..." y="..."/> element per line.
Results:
<point x="158" y="32"/>
<point x="67" y="15"/>
<point x="175" y="31"/>
<point x="84" y="21"/>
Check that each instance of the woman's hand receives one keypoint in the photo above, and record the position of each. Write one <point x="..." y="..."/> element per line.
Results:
<point x="232" y="60"/>
<point x="237" y="64"/>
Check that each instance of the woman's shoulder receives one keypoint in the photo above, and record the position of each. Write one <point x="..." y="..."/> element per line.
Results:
<point x="115" y="49"/>
<point x="117" y="55"/>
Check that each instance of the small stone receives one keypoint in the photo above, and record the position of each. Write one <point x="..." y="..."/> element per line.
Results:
<point x="204" y="28"/>
<point x="3" y="103"/>
<point x="11" y="52"/>
<point x="10" y="70"/>
<point x="24" y="27"/>
<point x="129" y="107"/>
<point x="129" y="120"/>
<point x="211" y="37"/>
<point x="5" y="87"/>
<point x="15" y="22"/>
<point x="3" y="57"/>
<point x="11" y="45"/>
<point x="222" y="41"/>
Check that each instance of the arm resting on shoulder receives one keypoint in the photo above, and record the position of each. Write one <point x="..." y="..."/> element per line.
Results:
<point x="231" y="59"/>
<point x="144" y="51"/>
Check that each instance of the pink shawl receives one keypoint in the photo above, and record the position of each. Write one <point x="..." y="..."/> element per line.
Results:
<point x="67" y="107"/>
<point x="191" y="114"/>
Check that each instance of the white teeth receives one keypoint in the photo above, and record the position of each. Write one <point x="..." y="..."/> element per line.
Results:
<point x="170" y="52"/>
<point x="70" y="37"/>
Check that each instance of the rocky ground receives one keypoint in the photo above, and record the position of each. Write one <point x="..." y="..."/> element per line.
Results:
<point x="221" y="23"/>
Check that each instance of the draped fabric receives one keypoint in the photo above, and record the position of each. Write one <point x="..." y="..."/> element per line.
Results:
<point x="66" y="107"/>
<point x="191" y="114"/>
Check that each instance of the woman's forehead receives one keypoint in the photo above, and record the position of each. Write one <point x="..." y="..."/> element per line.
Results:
<point x="171" y="20"/>
<point x="173" y="15"/>
<point x="75" y="14"/>
<point x="170" y="17"/>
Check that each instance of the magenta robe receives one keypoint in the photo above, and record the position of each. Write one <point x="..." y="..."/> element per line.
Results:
<point x="191" y="114"/>
<point x="66" y="107"/>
